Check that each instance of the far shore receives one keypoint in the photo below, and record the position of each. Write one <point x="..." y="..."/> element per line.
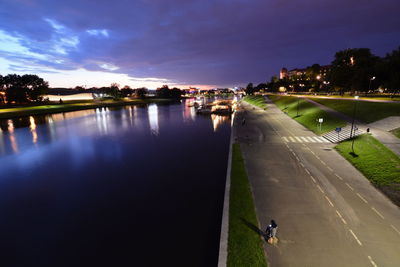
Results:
<point x="50" y="108"/>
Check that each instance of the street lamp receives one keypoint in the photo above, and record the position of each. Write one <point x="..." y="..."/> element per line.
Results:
<point x="298" y="99"/>
<point x="370" y="80"/>
<point x="352" y="123"/>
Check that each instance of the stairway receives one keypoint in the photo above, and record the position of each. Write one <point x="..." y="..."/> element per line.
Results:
<point x="344" y="134"/>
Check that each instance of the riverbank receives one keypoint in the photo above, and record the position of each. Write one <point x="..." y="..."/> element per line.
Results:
<point x="307" y="114"/>
<point x="14" y="112"/>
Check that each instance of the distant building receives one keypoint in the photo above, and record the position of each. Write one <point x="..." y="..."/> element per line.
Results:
<point x="283" y="73"/>
<point x="297" y="72"/>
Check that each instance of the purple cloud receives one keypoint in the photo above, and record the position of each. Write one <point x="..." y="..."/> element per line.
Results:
<point x="220" y="42"/>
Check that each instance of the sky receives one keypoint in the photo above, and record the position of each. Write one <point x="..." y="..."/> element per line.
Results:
<point x="201" y="43"/>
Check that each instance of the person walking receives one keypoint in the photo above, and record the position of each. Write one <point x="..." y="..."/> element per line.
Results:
<point x="274" y="229"/>
<point x="271" y="230"/>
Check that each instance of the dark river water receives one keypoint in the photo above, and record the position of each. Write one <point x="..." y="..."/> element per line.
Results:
<point x="134" y="186"/>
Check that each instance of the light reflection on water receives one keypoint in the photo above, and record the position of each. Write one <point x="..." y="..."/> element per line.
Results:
<point x="44" y="129"/>
<point x="153" y="118"/>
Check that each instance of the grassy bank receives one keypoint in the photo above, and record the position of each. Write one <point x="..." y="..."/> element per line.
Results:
<point x="379" y="164"/>
<point x="396" y="132"/>
<point x="6" y="113"/>
<point x="257" y="100"/>
<point x="366" y="111"/>
<point x="244" y="243"/>
<point x="308" y="114"/>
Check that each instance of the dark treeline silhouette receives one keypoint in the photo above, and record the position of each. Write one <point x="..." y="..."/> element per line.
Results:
<point x="165" y="92"/>
<point x="22" y="89"/>
<point x="352" y="70"/>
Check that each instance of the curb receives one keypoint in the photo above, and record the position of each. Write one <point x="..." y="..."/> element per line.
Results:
<point x="223" y="242"/>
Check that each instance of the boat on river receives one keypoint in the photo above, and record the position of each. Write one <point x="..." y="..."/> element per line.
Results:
<point x="218" y="107"/>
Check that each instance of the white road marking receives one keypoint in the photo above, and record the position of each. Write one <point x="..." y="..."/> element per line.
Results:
<point x="320" y="189"/>
<point x="340" y="215"/>
<point x="372" y="262"/>
<point x="311" y="139"/>
<point x="302" y="165"/>
<point x="304" y="139"/>
<point x="349" y="186"/>
<point x="318" y="140"/>
<point x="330" y="202"/>
<point x="298" y="139"/>
<point x="312" y="178"/>
<point x="329" y="168"/>
<point x="292" y="139"/>
<point x="285" y="139"/>
<point x="323" y="162"/>
<point x="355" y="237"/>
<point x="307" y="171"/>
<point x="394" y="228"/>
<point x="363" y="199"/>
<point x="377" y="212"/>
<point x="317" y="157"/>
<point x="340" y="178"/>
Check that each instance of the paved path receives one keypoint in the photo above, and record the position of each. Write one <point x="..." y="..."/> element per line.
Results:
<point x="328" y="213"/>
<point x="386" y="138"/>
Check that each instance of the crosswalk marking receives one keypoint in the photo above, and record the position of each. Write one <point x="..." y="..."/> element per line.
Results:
<point x="304" y="139"/>
<point x="310" y="139"/>
<point x="320" y="139"/>
<point x="298" y="139"/>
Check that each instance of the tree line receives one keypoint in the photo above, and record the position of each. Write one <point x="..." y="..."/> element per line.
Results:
<point x="22" y="89"/>
<point x="29" y="88"/>
<point x="352" y="70"/>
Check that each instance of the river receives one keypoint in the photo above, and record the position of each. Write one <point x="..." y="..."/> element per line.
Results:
<point x="130" y="186"/>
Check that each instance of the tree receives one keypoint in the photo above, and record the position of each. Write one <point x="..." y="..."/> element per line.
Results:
<point x="352" y="69"/>
<point x="249" y="89"/>
<point x="141" y="92"/>
<point x="176" y="93"/>
<point x="388" y="71"/>
<point x="163" y="92"/>
<point x="23" y="89"/>
<point x="126" y="91"/>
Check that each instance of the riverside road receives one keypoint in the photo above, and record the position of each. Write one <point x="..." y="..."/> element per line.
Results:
<point x="328" y="213"/>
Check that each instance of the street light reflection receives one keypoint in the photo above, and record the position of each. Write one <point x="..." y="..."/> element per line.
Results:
<point x="32" y="127"/>
<point x="153" y="118"/>
<point x="218" y="120"/>
<point x="13" y="141"/>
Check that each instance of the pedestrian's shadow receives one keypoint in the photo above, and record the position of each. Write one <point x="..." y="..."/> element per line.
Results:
<point x="254" y="228"/>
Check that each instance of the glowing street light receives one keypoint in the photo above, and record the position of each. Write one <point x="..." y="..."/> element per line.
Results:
<point x="352" y="123"/>
<point x="370" y="80"/>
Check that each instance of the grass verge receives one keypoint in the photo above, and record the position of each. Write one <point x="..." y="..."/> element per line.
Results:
<point x="396" y="132"/>
<point x="366" y="111"/>
<point x="379" y="164"/>
<point x="256" y="100"/>
<point x="244" y="243"/>
<point x="307" y="114"/>
<point x="7" y="113"/>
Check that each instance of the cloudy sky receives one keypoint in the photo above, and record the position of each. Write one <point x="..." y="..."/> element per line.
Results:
<point x="185" y="42"/>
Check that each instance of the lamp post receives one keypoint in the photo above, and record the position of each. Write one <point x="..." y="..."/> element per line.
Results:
<point x="370" y="80"/>
<point x="352" y="123"/>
